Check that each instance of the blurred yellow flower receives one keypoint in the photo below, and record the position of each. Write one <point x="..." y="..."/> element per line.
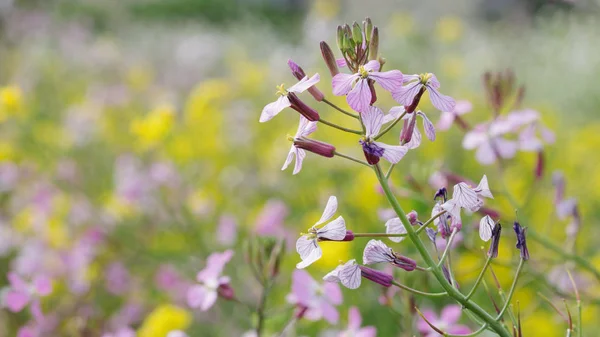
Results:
<point x="7" y="152"/>
<point x="327" y="9"/>
<point x="401" y="24"/>
<point x="449" y="29"/>
<point x="57" y="234"/>
<point x="140" y="77"/>
<point x="163" y="320"/>
<point x="333" y="253"/>
<point x="11" y="101"/>
<point x="154" y="127"/>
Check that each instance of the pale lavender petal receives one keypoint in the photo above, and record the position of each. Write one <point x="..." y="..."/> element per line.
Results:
<point x="528" y="140"/>
<point x="16" y="282"/>
<point x="302" y="287"/>
<point x="354" y="318"/>
<point x="304" y="84"/>
<point x="395" y="226"/>
<point x="309" y="252"/>
<point x="450" y="314"/>
<point x="305" y="127"/>
<point x="289" y="158"/>
<point x="368" y="331"/>
<point x="342" y="83"/>
<point x="388" y="80"/>
<point x="462" y="107"/>
<point x="350" y="275"/>
<point x="427" y="126"/>
<point x="214" y="265"/>
<point x="409" y="78"/>
<point x="376" y="252"/>
<point x="27" y="331"/>
<point x="333" y="293"/>
<point x="464" y="196"/>
<point x="330" y="313"/>
<point x="446" y="120"/>
<point x="452" y="207"/>
<point x="485" y="228"/>
<point x="42" y="285"/>
<point x="393" y="114"/>
<point x="441" y="102"/>
<point x="200" y="297"/>
<point x="359" y="98"/>
<point x="36" y="310"/>
<point x="483" y="189"/>
<point x="335" y="230"/>
<point x="392" y="153"/>
<point x="415" y="140"/>
<point x="272" y="109"/>
<point x="422" y="324"/>
<point x="329" y="211"/>
<point x="506" y="148"/>
<point x="547" y="135"/>
<point x="373" y="120"/>
<point x="485" y="154"/>
<point x="300" y="155"/>
<point x="459" y="330"/>
<point x="227" y="229"/>
<point x="372" y="65"/>
<point x="474" y="139"/>
<point x="334" y="275"/>
<point x="406" y="94"/>
<point x="15" y="301"/>
<point x="341" y="62"/>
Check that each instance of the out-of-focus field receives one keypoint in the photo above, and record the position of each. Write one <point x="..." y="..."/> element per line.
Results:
<point x="130" y="149"/>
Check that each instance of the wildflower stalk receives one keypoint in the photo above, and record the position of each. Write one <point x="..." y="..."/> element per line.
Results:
<point x="512" y="290"/>
<point x="418" y="292"/>
<point x="260" y="310"/>
<point x="422" y="228"/>
<point x="351" y="158"/>
<point x="389" y="127"/>
<point x="321" y="120"/>
<point x="377" y="235"/>
<point x="448" y="244"/>
<point x="480" y="277"/>
<point x="389" y="171"/>
<point x="353" y="115"/>
<point x="435" y="269"/>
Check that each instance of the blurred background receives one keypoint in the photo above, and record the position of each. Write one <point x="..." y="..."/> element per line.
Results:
<point x="130" y="150"/>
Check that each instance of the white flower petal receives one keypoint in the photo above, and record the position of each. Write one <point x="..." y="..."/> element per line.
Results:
<point x="415" y="140"/>
<point x="373" y="120"/>
<point x="304" y="84"/>
<point x="428" y="127"/>
<point x="289" y="158"/>
<point x="393" y="114"/>
<point x="483" y="189"/>
<point x="350" y="275"/>
<point x="305" y="245"/>
<point x="376" y="252"/>
<point x="485" y="228"/>
<point x="392" y="153"/>
<point x="315" y="253"/>
<point x="305" y="127"/>
<point x="329" y="211"/>
<point x="272" y="109"/>
<point x="395" y="226"/>
<point x="342" y="83"/>
<point x="300" y="155"/>
<point x="464" y="196"/>
<point x="335" y="230"/>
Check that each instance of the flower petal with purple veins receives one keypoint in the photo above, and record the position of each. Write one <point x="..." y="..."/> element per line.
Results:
<point x="406" y="94"/>
<point x="342" y="83"/>
<point x="388" y="80"/>
<point x="464" y="196"/>
<point x="392" y="153"/>
<point x="350" y="275"/>
<point x="409" y="78"/>
<point x="373" y="120"/>
<point x="393" y="114"/>
<point x="483" y="189"/>
<point x="376" y="252"/>
<point x="428" y="127"/>
<point x="329" y="211"/>
<point x="441" y="102"/>
<point x="272" y="109"/>
<point x="335" y="230"/>
<point x="372" y="65"/>
<point x="309" y="251"/>
<point x="485" y="228"/>
<point x="305" y="127"/>
<point x="415" y="140"/>
<point x="359" y="98"/>
<point x="395" y="226"/>
<point x="304" y="84"/>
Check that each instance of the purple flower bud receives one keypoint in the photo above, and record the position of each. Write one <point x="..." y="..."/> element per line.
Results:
<point x="404" y="262"/>
<point x="521" y="240"/>
<point x="413" y="217"/>
<point x="376" y="276"/>
<point x="372" y="151"/>
<point x="349" y="236"/>
<point x="539" y="165"/>
<point x="329" y="58"/>
<point x="493" y="251"/>
<point x="226" y="291"/>
<point x="315" y="146"/>
<point x="441" y="193"/>
<point x="299" y="73"/>
<point x="306" y="111"/>
<point x="408" y="129"/>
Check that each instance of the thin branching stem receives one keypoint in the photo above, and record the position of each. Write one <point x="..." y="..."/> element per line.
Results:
<point x="352" y="158"/>
<point x="389" y="127"/>
<point x="448" y="247"/>
<point x="321" y="120"/>
<point x="353" y="115"/>
<point x="480" y="277"/>
<point x="418" y="292"/>
<point x="511" y="292"/>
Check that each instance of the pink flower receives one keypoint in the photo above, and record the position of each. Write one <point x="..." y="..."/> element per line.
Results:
<point x="406" y="94"/>
<point x="357" y="88"/>
<point x="21" y="293"/>
<point x="305" y="128"/>
<point x="121" y="332"/>
<point x="270" y="219"/>
<point x="489" y="141"/>
<point x="117" y="278"/>
<point x="307" y="245"/>
<point x="445" y="322"/>
<point x="354" y="323"/>
<point x="205" y="294"/>
<point x="447" y="117"/>
<point x="287" y="98"/>
<point x="373" y="119"/>
<point x="315" y="301"/>
<point x="227" y="229"/>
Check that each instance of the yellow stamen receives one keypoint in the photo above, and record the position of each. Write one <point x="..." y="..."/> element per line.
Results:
<point x="425" y="77"/>
<point x="281" y="90"/>
<point x="363" y="72"/>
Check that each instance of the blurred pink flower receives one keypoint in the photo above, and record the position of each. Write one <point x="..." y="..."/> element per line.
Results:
<point x="270" y="219"/>
<point x="227" y="230"/>
<point x="20" y="293"/>
<point x="445" y="322"/>
<point x="356" y="86"/>
<point x="122" y="332"/>
<point x="204" y="295"/>
<point x="316" y="301"/>
<point x="447" y="118"/>
<point x="117" y="278"/>
<point x="354" y="326"/>
<point x="488" y="140"/>
<point x="168" y="279"/>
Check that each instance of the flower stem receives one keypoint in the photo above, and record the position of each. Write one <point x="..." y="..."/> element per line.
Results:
<point x="511" y="292"/>
<point x="377" y="235"/>
<point x="436" y="271"/>
<point x="480" y="277"/>
<point x="351" y="158"/>
<point x="418" y="292"/>
<point x="389" y="172"/>
<point x="321" y="120"/>
<point x="389" y="127"/>
<point x="422" y="228"/>
<point x="448" y="244"/>
<point x="340" y="109"/>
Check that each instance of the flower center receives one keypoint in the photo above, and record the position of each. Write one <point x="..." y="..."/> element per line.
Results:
<point x="363" y="72"/>
<point x="371" y="148"/>
<point x="281" y="90"/>
<point x="424" y="78"/>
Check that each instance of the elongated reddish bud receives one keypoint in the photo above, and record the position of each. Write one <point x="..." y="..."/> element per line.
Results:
<point x="299" y="74"/>
<point x="315" y="146"/>
<point x="329" y="59"/>
<point x="306" y="111"/>
<point x="376" y="276"/>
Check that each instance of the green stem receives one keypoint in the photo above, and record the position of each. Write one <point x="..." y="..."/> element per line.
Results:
<point x="389" y="127"/>
<point x="389" y="172"/>
<point x="511" y="292"/>
<point x="448" y="244"/>
<point x="321" y="120"/>
<point x="480" y="277"/>
<point x="378" y="235"/>
<point x="418" y="292"/>
<point x="340" y="109"/>
<point x="422" y="228"/>
<point x="351" y="158"/>
<point x="437" y="272"/>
